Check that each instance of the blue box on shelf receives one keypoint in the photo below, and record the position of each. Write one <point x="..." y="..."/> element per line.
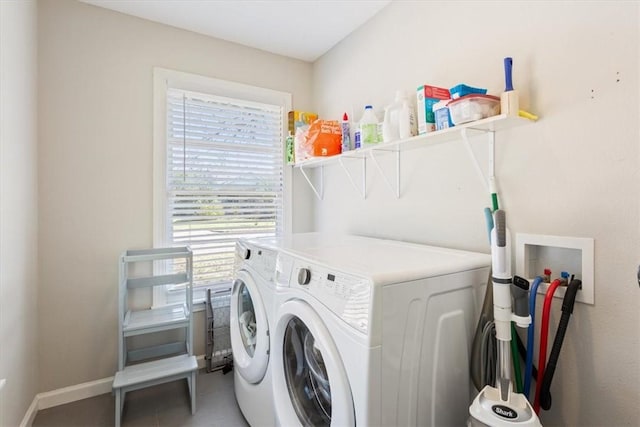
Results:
<point x="461" y="90"/>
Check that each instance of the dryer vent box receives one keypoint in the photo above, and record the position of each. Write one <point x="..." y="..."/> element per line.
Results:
<point x="574" y="255"/>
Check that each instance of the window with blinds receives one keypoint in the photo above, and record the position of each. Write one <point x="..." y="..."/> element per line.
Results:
<point x="224" y="178"/>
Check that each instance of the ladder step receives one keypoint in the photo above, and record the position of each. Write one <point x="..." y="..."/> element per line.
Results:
<point x="154" y="370"/>
<point x="156" y="351"/>
<point x="155" y="319"/>
<point x="156" y="254"/>
<point x="167" y="279"/>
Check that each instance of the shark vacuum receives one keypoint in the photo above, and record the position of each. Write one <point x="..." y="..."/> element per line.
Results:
<point x="501" y="406"/>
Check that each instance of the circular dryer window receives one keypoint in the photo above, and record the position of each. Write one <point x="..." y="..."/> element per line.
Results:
<point x="247" y="320"/>
<point x="306" y="375"/>
<point x="249" y="329"/>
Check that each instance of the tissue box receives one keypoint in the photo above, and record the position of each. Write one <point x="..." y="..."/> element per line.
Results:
<point x="427" y="96"/>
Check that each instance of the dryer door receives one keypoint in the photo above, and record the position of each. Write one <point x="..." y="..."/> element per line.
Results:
<point x="308" y="375"/>
<point x="249" y="329"/>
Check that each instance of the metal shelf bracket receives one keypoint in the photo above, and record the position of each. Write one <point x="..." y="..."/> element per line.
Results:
<point x="319" y="194"/>
<point x="491" y="157"/>
<point x="362" y="189"/>
<point x="395" y="189"/>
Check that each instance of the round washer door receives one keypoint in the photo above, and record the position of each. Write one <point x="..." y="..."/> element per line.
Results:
<point x="308" y="375"/>
<point x="249" y="329"/>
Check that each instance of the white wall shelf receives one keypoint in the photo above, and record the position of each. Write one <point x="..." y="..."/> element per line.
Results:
<point x="489" y="126"/>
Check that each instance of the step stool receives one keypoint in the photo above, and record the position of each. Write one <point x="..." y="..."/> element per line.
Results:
<point x="147" y="374"/>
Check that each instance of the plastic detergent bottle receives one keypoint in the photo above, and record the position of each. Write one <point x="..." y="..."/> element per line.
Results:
<point x="346" y="137"/>
<point x="391" y="124"/>
<point x="407" y="125"/>
<point x="368" y="126"/>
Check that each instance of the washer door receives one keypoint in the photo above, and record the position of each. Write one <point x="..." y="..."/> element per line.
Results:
<point x="309" y="379"/>
<point x="249" y="329"/>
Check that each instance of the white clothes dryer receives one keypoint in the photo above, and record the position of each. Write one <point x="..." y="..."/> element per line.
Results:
<point x="373" y="332"/>
<point x="251" y="312"/>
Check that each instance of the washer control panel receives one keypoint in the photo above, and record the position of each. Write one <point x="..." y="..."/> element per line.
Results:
<point x="347" y="295"/>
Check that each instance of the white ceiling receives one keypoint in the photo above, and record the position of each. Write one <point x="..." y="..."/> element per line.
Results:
<point x="303" y="29"/>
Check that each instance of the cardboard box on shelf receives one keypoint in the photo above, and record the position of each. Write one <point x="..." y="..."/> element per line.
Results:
<point x="300" y="118"/>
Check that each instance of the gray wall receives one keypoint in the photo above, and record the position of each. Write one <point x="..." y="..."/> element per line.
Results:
<point x="18" y="209"/>
<point x="95" y="159"/>
<point x="574" y="173"/>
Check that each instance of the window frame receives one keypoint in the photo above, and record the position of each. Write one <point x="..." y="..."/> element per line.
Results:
<point x="163" y="79"/>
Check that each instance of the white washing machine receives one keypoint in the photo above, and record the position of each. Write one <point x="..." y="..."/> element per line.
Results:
<point x="251" y="316"/>
<point x="373" y="332"/>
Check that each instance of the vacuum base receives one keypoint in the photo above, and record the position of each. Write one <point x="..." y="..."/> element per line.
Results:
<point x="488" y="409"/>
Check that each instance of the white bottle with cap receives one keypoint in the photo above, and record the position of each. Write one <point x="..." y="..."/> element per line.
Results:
<point x="399" y="119"/>
<point x="407" y="125"/>
<point x="391" y="124"/>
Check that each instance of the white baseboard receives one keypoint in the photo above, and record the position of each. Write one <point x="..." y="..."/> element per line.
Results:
<point x="73" y="393"/>
<point x="65" y="395"/>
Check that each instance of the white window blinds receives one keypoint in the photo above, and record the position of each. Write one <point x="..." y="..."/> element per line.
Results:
<point x="224" y="177"/>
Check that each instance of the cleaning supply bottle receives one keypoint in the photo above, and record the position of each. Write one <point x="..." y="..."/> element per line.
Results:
<point x="368" y="127"/>
<point x="346" y="137"/>
<point x="391" y="124"/>
<point x="290" y="149"/>
<point x="407" y="125"/>
<point x="399" y="119"/>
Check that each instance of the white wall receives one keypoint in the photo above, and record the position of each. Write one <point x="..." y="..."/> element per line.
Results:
<point x="18" y="209"/>
<point x="573" y="173"/>
<point x="95" y="158"/>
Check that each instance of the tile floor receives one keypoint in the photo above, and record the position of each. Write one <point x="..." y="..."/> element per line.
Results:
<point x="160" y="406"/>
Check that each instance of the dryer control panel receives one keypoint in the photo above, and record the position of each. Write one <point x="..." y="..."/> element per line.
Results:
<point x="347" y="295"/>
<point x="263" y="261"/>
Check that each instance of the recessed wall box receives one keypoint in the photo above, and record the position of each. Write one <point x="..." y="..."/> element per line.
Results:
<point x="574" y="255"/>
